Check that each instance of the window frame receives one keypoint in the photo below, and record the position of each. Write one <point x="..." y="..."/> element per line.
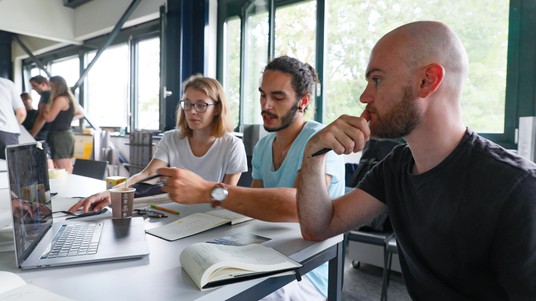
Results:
<point x="520" y="79"/>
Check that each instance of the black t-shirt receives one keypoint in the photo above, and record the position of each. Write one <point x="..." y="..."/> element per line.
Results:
<point x="466" y="229"/>
<point x="30" y="119"/>
<point x="43" y="133"/>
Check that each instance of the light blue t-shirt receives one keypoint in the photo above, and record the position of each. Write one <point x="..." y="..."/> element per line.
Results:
<point x="285" y="176"/>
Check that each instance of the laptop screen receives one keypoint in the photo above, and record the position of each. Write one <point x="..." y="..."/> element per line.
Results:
<point x="30" y="195"/>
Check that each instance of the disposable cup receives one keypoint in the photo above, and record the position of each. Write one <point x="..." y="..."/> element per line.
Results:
<point x="122" y="201"/>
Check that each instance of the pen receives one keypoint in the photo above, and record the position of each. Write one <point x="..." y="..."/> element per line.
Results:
<point x="165" y="209"/>
<point x="320" y="152"/>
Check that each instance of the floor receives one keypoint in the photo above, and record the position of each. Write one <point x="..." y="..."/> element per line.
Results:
<point x="365" y="282"/>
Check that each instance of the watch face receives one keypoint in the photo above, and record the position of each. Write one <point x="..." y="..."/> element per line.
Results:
<point x="219" y="194"/>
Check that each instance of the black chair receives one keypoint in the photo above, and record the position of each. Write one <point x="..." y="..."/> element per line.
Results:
<point x="90" y="168"/>
<point x="390" y="249"/>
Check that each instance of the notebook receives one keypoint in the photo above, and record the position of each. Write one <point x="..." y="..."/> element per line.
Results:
<point x="34" y="228"/>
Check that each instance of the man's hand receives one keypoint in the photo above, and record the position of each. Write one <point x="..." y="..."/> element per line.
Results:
<point x="93" y="203"/>
<point x="347" y="134"/>
<point x="184" y="186"/>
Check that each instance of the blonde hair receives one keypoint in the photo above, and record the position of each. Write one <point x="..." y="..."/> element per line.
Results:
<point x="214" y="90"/>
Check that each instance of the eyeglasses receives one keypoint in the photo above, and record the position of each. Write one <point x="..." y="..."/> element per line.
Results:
<point x="200" y="107"/>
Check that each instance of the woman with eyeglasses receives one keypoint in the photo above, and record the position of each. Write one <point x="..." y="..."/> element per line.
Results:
<point x="202" y="141"/>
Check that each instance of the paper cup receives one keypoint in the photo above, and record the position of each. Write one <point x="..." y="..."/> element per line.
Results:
<point x="122" y="202"/>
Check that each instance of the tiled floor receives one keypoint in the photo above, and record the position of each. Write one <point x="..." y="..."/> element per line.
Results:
<point x="364" y="284"/>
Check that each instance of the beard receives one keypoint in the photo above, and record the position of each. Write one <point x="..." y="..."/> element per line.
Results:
<point x="286" y="120"/>
<point x="399" y="121"/>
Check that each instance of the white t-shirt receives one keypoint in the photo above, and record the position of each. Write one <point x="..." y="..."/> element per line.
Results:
<point x="9" y="102"/>
<point x="227" y="155"/>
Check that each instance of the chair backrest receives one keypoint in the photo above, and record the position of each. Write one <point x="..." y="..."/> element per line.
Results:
<point x="141" y="150"/>
<point x="90" y="168"/>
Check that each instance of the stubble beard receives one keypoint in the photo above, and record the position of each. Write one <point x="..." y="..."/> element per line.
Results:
<point x="399" y="121"/>
<point x="286" y="120"/>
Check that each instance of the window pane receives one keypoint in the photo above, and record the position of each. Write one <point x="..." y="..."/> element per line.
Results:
<point x="354" y="26"/>
<point x="231" y="83"/>
<point x="300" y="42"/>
<point x="256" y="57"/>
<point x="68" y="68"/>
<point x="148" y="84"/>
<point x="107" y="88"/>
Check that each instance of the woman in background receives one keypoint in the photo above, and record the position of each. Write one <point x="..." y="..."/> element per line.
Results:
<point x="202" y="141"/>
<point x="59" y="113"/>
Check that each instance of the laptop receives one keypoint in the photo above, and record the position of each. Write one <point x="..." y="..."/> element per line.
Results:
<point x="34" y="228"/>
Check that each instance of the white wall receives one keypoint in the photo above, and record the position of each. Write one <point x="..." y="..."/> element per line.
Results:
<point x="98" y="17"/>
<point x="47" y="19"/>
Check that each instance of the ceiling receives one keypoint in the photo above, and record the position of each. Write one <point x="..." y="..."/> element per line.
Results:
<point x="74" y="3"/>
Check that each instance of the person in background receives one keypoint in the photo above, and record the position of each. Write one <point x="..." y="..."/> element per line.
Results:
<point x="12" y="113"/>
<point x="202" y="141"/>
<point x="463" y="208"/>
<point x="40" y="127"/>
<point x="31" y="113"/>
<point x="59" y="113"/>
<point x="286" y="90"/>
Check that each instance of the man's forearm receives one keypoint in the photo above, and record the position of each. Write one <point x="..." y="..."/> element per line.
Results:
<point x="21" y="115"/>
<point x="268" y="204"/>
<point x="313" y="201"/>
<point x="38" y="125"/>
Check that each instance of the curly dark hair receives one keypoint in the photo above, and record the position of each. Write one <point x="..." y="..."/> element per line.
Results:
<point x="304" y="76"/>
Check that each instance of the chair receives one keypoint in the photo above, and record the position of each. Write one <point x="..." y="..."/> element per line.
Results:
<point x="90" y="168"/>
<point x="390" y="249"/>
<point x="141" y="150"/>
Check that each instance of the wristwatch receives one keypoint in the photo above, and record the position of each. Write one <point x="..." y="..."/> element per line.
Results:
<point x="219" y="194"/>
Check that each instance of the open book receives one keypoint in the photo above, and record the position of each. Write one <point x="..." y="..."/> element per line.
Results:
<point x="15" y="288"/>
<point x="197" y="223"/>
<point x="211" y="265"/>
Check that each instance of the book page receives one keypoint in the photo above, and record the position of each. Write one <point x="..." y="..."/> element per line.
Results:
<point x="10" y="281"/>
<point x="206" y="262"/>
<point x="234" y="217"/>
<point x="187" y="226"/>
<point x="13" y="287"/>
<point x="30" y="292"/>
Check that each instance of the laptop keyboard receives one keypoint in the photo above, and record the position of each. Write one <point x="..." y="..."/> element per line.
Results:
<point x="75" y="240"/>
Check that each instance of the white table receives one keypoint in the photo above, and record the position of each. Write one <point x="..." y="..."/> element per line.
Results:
<point x="160" y="276"/>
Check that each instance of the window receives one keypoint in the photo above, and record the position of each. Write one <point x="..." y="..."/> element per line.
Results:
<point x="300" y="41"/>
<point x="255" y="58"/>
<point x="231" y="85"/>
<point x="121" y="90"/>
<point x="148" y="84"/>
<point x="352" y="27"/>
<point x="107" y="88"/>
<point x="68" y="68"/>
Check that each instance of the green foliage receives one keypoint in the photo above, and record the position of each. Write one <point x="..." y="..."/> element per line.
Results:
<point x="354" y="26"/>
